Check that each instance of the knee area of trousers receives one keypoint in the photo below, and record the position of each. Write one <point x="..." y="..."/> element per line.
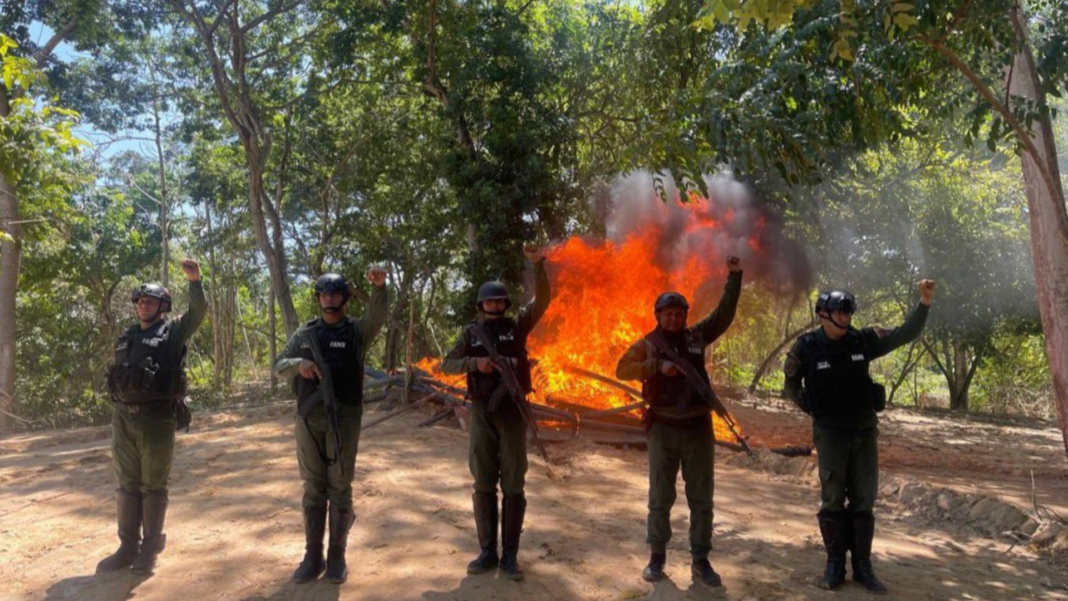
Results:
<point x="155" y="493"/>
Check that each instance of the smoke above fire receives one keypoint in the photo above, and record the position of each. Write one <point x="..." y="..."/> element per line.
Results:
<point x="604" y="288"/>
<point x="729" y="222"/>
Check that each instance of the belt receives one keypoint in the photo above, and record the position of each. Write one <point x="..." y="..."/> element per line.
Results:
<point x="685" y="423"/>
<point x="149" y="407"/>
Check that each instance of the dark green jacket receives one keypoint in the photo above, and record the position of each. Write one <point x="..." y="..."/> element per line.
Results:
<point x="347" y="371"/>
<point x="873" y="343"/>
<point x="164" y="342"/>
<point x="461" y="359"/>
<point x="643" y="360"/>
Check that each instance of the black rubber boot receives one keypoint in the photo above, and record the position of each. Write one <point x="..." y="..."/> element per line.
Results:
<point x="314" y="564"/>
<point x="835" y="526"/>
<point x="654" y="572"/>
<point x="863" y="534"/>
<point x="128" y="508"/>
<point x="701" y="571"/>
<point x="341" y="521"/>
<point x="513" y="511"/>
<point x="486" y="523"/>
<point x="153" y="515"/>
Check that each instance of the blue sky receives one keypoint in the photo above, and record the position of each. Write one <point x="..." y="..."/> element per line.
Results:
<point x="40" y="34"/>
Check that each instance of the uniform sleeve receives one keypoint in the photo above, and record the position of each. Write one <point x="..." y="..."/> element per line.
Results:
<point x="713" y="326"/>
<point x="287" y="361"/>
<point x="371" y="323"/>
<point x="198" y="307"/>
<point x="636" y="364"/>
<point x="883" y="342"/>
<point x="793" y="370"/>
<point x="457" y="362"/>
<point x="533" y="311"/>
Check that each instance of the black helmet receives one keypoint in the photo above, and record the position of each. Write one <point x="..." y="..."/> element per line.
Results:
<point x="493" y="290"/>
<point x="836" y="300"/>
<point x="154" y="290"/>
<point x="668" y="300"/>
<point x="332" y="282"/>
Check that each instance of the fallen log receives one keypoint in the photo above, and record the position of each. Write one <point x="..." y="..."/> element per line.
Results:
<point x="439" y="416"/>
<point x="634" y="392"/>
<point x="443" y="386"/>
<point x="583" y="411"/>
<point x="387" y="381"/>
<point x="788" y="451"/>
<point x="396" y="412"/>
<point x="613" y="411"/>
<point x="376" y="374"/>
<point x="376" y="397"/>
<point x="552" y="435"/>
<point x="589" y="424"/>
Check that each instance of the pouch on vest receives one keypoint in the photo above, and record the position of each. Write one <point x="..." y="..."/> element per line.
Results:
<point x="182" y="415"/>
<point x="878" y="397"/>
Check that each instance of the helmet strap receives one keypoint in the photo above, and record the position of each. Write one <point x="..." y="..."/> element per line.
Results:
<point x="829" y="318"/>
<point x="482" y="308"/>
<point x="332" y="310"/>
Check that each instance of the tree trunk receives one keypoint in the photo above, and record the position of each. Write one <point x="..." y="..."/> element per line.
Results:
<point x="911" y="362"/>
<point x="270" y="243"/>
<point x="215" y="308"/>
<point x="958" y="392"/>
<point x="164" y="217"/>
<point x="10" y="257"/>
<point x="244" y="115"/>
<point x="11" y="249"/>
<point x="1049" y="225"/>
<point x="395" y="327"/>
<point x="273" y="323"/>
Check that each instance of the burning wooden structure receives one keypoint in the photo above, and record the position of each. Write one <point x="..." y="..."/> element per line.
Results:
<point x="558" y="422"/>
<point x="603" y="294"/>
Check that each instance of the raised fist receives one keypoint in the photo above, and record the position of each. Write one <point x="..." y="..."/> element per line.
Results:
<point x="377" y="276"/>
<point x="533" y="253"/>
<point x="734" y="264"/>
<point x="927" y="291"/>
<point x="191" y="269"/>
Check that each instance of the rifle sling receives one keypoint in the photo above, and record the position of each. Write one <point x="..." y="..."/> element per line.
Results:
<point x="692" y="377"/>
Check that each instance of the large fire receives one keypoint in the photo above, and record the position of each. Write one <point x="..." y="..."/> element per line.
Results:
<point x="603" y="294"/>
<point x="604" y="290"/>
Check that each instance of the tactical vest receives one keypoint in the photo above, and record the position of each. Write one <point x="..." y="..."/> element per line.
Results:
<point x="676" y="391"/>
<point x="144" y="368"/>
<point x="509" y="343"/>
<point x="837" y="380"/>
<point x="341" y="350"/>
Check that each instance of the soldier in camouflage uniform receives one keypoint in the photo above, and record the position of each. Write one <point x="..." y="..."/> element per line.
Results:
<point x="328" y="480"/>
<point x="498" y="446"/>
<point x="679" y="423"/>
<point x="147" y="383"/>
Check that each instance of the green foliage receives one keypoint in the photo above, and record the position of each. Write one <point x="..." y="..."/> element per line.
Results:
<point x="74" y="299"/>
<point x="443" y="169"/>
<point x="32" y="131"/>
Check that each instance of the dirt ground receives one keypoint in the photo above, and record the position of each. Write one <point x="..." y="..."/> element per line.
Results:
<point x="234" y="526"/>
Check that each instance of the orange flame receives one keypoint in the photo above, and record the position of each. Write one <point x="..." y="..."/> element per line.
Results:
<point x="603" y="295"/>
